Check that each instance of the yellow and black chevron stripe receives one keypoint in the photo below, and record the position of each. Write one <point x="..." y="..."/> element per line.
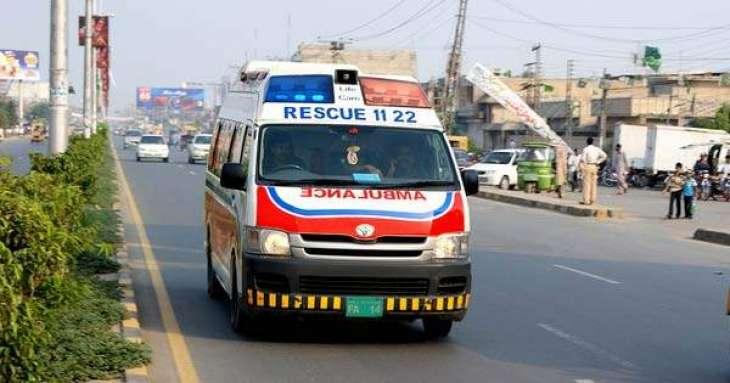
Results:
<point x="392" y="304"/>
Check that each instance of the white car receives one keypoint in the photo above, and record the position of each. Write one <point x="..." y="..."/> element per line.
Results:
<point x="132" y="137"/>
<point x="153" y="146"/>
<point x="199" y="147"/>
<point x="498" y="168"/>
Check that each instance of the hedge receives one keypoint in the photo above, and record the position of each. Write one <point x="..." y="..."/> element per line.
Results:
<point x="55" y="315"/>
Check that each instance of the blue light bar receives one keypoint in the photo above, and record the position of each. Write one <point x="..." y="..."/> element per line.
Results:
<point x="301" y="88"/>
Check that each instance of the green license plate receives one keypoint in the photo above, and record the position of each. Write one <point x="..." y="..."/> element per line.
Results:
<point x="364" y="307"/>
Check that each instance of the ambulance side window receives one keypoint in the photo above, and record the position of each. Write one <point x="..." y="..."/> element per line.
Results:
<point x="212" y="163"/>
<point x="223" y="146"/>
<point x="237" y="146"/>
<point x="247" y="140"/>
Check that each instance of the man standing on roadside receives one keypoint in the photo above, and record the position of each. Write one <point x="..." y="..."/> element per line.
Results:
<point x="591" y="157"/>
<point x="620" y="166"/>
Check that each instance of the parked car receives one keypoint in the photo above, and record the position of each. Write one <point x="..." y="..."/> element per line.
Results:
<point x="132" y="137"/>
<point x="153" y="146"/>
<point x="463" y="159"/>
<point x="498" y="168"/>
<point x="199" y="147"/>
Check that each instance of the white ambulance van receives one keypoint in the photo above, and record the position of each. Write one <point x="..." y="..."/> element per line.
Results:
<point x="333" y="193"/>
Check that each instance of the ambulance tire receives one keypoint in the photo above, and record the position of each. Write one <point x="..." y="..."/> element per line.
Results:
<point x="241" y="322"/>
<point x="437" y="328"/>
<point x="215" y="290"/>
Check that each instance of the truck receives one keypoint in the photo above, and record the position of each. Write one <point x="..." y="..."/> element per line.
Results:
<point x="655" y="149"/>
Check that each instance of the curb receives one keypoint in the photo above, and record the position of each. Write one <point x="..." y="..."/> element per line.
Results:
<point x="130" y="327"/>
<point x="713" y="236"/>
<point x="599" y="212"/>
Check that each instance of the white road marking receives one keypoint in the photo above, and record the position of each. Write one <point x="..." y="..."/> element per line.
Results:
<point x="594" y="276"/>
<point x="587" y="346"/>
<point x="583" y="381"/>
<point x="192" y="173"/>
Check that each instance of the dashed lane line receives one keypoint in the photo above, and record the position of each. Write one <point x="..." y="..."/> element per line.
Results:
<point x="587" y="274"/>
<point x="592" y="348"/>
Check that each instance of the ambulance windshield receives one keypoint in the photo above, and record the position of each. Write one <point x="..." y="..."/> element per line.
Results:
<point x="355" y="156"/>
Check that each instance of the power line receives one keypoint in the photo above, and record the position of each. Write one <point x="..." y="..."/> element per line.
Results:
<point x="367" y="23"/>
<point x="705" y="33"/>
<point x="430" y="6"/>
<point x="593" y="26"/>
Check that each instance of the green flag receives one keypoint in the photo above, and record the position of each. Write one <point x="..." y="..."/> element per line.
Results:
<point x="652" y="58"/>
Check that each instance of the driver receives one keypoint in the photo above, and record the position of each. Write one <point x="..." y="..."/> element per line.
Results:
<point x="405" y="164"/>
<point x="280" y="154"/>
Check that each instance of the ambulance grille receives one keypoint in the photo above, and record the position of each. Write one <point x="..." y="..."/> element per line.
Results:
<point x="348" y="239"/>
<point x="452" y="285"/>
<point x="363" y="253"/>
<point x="275" y="283"/>
<point x="362" y="286"/>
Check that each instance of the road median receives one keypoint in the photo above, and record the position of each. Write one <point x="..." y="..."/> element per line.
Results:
<point x="715" y="236"/>
<point x="545" y="202"/>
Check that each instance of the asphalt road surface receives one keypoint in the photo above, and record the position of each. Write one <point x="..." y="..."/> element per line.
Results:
<point x="17" y="148"/>
<point x="555" y="299"/>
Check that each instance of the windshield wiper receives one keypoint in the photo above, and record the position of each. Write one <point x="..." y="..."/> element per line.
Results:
<point x="412" y="185"/>
<point x="312" y="181"/>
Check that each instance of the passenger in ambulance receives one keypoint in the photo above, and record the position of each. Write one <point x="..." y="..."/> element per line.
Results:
<point x="280" y="154"/>
<point x="405" y="164"/>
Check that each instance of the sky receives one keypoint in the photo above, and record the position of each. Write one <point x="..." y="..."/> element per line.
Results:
<point x="168" y="42"/>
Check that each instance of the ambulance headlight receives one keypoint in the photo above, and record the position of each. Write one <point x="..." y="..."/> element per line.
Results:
<point x="267" y="242"/>
<point x="451" y="246"/>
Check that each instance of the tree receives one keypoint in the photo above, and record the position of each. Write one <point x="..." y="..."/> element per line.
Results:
<point x="39" y="111"/>
<point x="721" y="121"/>
<point x="8" y="114"/>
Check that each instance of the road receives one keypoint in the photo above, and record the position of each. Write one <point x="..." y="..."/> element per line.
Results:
<point x="555" y="299"/>
<point x="17" y="148"/>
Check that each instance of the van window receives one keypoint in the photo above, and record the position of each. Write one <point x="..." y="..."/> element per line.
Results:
<point x="349" y="155"/>
<point x="222" y="147"/>
<point x="237" y="144"/>
<point x="214" y="147"/>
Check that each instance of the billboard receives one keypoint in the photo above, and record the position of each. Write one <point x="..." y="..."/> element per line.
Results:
<point x="172" y="99"/>
<point x="100" y="36"/>
<point x="19" y="65"/>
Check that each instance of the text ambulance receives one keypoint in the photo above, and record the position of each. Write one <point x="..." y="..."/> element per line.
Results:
<point x="334" y="193"/>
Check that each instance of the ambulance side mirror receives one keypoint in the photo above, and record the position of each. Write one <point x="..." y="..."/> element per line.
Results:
<point x="233" y="176"/>
<point x="471" y="181"/>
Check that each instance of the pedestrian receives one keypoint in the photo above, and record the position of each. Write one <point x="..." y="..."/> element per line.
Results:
<point x="573" y="160"/>
<point x="688" y="191"/>
<point x="591" y="157"/>
<point x="620" y="166"/>
<point x="702" y="165"/>
<point x="674" y="185"/>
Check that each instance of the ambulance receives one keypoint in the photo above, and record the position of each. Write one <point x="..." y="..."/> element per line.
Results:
<point x="332" y="193"/>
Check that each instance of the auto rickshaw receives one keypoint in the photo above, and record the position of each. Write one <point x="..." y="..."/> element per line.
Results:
<point x="537" y="168"/>
<point x="38" y="133"/>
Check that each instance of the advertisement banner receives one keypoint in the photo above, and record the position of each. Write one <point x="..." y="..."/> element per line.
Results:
<point x="490" y="84"/>
<point x="19" y="65"/>
<point x="100" y="36"/>
<point x="172" y="99"/>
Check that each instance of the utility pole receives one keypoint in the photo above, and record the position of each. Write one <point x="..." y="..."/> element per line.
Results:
<point x="58" y="121"/>
<point x="537" y="88"/>
<point x="21" y="104"/>
<point x="88" y="63"/>
<point x="604" y="85"/>
<point x="94" y="90"/>
<point x="569" y="102"/>
<point x="449" y="96"/>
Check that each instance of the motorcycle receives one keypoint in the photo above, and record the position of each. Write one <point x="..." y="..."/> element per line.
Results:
<point x="608" y="178"/>
<point x="638" y="178"/>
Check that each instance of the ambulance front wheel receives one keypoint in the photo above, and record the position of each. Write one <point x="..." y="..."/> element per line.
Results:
<point x="436" y="328"/>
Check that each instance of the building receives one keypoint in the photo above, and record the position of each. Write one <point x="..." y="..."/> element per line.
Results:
<point x="35" y="91"/>
<point x="674" y="99"/>
<point x="374" y="61"/>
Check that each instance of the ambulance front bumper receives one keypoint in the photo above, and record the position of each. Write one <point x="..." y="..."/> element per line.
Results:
<point x="408" y="289"/>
